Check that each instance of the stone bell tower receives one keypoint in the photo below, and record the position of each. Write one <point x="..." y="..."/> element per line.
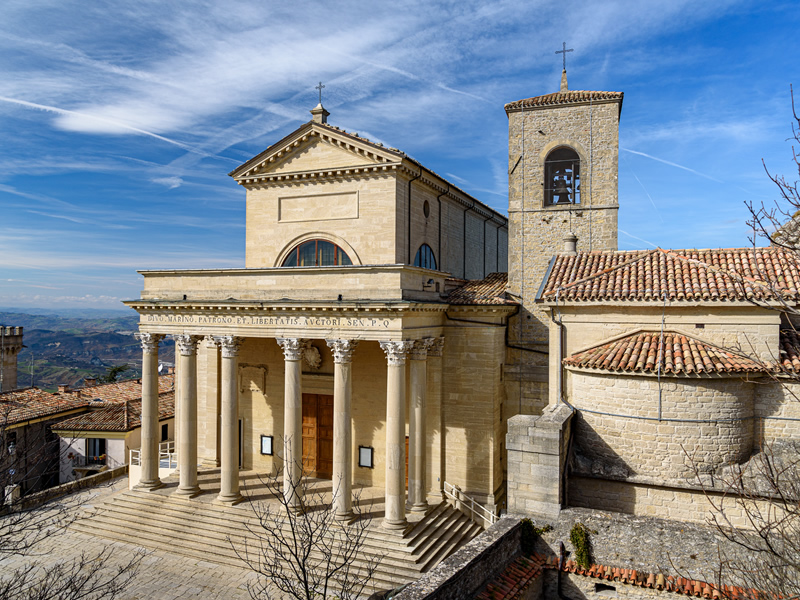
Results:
<point x="10" y="346"/>
<point x="563" y="153"/>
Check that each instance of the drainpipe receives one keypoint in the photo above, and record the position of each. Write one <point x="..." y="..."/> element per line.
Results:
<point x="410" y="181"/>
<point x="464" y="244"/>
<point x="439" y="202"/>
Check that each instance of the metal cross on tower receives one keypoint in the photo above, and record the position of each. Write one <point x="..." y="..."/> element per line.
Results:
<point x="563" y="52"/>
<point x="320" y="87"/>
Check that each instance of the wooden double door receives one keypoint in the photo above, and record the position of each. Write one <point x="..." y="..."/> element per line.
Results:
<point x="318" y="435"/>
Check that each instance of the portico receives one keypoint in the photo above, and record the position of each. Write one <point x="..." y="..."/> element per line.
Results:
<point x="344" y="337"/>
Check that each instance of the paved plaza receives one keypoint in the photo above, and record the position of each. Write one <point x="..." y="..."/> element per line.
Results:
<point x="161" y="575"/>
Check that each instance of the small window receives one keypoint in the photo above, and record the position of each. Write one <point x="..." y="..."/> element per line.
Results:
<point x="425" y="258"/>
<point x="562" y="177"/>
<point x="317" y="253"/>
<point x="165" y="432"/>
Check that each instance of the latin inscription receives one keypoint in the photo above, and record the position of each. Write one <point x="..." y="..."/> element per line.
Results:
<point x="249" y="321"/>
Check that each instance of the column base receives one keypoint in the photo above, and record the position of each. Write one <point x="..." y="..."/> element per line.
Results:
<point x="228" y="499"/>
<point x="188" y="492"/>
<point x="149" y="486"/>
<point x="420" y="507"/>
<point x="394" y="523"/>
<point x="346" y="516"/>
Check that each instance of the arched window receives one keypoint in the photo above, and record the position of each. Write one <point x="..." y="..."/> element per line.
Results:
<point x="316" y="253"/>
<point x="425" y="258"/>
<point x="562" y="177"/>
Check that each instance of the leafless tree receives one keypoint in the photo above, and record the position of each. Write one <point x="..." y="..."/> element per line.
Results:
<point x="758" y="512"/>
<point x="301" y="551"/>
<point x="26" y="521"/>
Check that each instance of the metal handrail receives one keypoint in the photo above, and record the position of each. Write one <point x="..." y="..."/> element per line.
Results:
<point x="166" y="452"/>
<point x="466" y="503"/>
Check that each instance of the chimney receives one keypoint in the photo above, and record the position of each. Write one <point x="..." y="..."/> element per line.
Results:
<point x="63" y="388"/>
<point x="570" y="244"/>
<point x="171" y="370"/>
<point x="319" y="114"/>
<point x="90" y="381"/>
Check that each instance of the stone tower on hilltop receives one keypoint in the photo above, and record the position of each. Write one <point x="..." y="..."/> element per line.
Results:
<point x="563" y="153"/>
<point x="10" y="345"/>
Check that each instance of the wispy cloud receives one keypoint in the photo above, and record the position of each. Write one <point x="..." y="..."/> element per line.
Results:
<point x="671" y="164"/>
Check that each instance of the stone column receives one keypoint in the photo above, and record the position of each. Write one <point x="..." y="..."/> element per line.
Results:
<point x="433" y="420"/>
<point x="229" y="430"/>
<point x="187" y="454"/>
<point x="416" y="425"/>
<point x="149" y="479"/>
<point x="292" y="422"/>
<point x="395" y="517"/>
<point x="342" y="428"/>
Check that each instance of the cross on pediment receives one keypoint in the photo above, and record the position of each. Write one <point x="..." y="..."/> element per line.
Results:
<point x="320" y="87"/>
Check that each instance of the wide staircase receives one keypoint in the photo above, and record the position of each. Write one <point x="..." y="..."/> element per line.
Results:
<point x="210" y="532"/>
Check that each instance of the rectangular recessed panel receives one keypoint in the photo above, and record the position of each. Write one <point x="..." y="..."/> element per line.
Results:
<point x="318" y="207"/>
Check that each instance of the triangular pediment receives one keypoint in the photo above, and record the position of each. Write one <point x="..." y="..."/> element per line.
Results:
<point x="316" y="147"/>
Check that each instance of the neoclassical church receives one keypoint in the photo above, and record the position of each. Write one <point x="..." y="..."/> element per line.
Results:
<point x="388" y="329"/>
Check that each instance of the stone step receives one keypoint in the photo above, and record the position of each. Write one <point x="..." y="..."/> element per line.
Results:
<point x="200" y="529"/>
<point x="182" y="518"/>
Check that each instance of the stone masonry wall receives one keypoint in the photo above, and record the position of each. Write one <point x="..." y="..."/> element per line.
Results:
<point x="536" y="232"/>
<point x="630" y="441"/>
<point x="777" y="411"/>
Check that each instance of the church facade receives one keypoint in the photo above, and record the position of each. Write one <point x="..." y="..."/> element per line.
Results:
<point x="390" y="330"/>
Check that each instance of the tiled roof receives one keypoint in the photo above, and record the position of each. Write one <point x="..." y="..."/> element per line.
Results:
<point x="682" y="354"/>
<point x="32" y="403"/>
<point x="566" y="97"/>
<point x="680" y="275"/>
<point x="517" y="577"/>
<point x="490" y="290"/>
<point x="130" y="389"/>
<point x="790" y="350"/>
<point x="120" y="416"/>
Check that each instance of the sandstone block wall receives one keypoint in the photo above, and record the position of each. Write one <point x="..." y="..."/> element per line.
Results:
<point x="777" y="412"/>
<point x="708" y="421"/>
<point x="472" y="401"/>
<point x="537" y="454"/>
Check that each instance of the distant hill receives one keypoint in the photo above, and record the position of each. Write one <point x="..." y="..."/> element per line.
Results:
<point x="65" y="349"/>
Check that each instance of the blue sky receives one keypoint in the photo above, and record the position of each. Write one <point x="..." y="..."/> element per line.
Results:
<point x="119" y="121"/>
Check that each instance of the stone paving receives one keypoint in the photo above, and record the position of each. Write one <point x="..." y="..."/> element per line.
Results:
<point x="161" y="575"/>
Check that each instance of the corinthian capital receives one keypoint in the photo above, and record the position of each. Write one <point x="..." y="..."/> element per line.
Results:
<point x="396" y="352"/>
<point x="229" y="345"/>
<point x="187" y="344"/>
<point x="419" y="351"/>
<point x="342" y="350"/>
<point x="149" y="341"/>
<point x="292" y="348"/>
<point x="436" y="347"/>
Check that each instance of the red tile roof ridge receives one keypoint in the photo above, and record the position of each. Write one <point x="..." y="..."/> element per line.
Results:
<point x="671" y="352"/>
<point x="713" y="268"/>
<point x="658" y="581"/>
<point x="645" y="254"/>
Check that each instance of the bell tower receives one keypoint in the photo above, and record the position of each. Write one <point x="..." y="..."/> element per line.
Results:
<point x="563" y="153"/>
<point x="10" y="346"/>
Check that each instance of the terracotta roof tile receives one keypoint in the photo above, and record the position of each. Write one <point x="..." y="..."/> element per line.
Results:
<point x="119" y="416"/>
<point x="790" y="350"/>
<point x="490" y="290"/>
<point x="32" y="403"/>
<point x="682" y="354"/>
<point x="566" y="97"/>
<point x="734" y="274"/>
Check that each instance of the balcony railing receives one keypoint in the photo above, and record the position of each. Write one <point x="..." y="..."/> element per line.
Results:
<point x="167" y="458"/>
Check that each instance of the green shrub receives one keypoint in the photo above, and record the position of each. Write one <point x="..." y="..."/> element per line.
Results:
<point x="579" y="536"/>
